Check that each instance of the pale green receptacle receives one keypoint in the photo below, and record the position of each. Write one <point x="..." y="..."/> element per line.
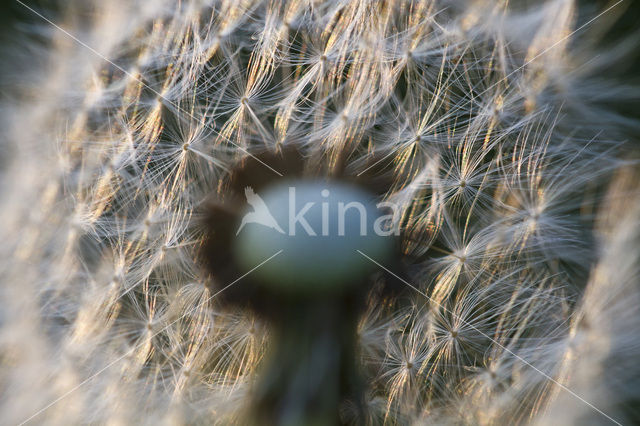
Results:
<point x="319" y="226"/>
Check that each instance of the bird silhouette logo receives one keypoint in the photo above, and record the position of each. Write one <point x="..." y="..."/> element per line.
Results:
<point x="260" y="214"/>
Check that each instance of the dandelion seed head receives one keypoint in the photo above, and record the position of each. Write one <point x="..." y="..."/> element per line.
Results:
<point x="513" y="177"/>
